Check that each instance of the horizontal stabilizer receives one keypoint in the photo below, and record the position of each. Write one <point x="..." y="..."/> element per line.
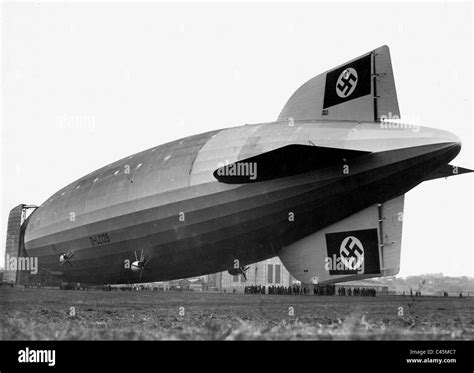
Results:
<point x="446" y="171"/>
<point x="282" y="162"/>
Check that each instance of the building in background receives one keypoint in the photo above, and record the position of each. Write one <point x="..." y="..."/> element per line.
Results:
<point x="15" y="247"/>
<point x="270" y="272"/>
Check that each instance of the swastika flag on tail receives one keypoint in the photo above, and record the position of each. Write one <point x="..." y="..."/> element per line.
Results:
<point x="353" y="252"/>
<point x="362" y="89"/>
<point x="364" y="245"/>
<point x="348" y="82"/>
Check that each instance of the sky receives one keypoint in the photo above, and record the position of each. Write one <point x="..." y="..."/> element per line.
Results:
<point x="85" y="84"/>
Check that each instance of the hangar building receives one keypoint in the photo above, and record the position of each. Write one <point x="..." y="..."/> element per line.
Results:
<point x="270" y="272"/>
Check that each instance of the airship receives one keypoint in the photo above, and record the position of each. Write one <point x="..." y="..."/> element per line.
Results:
<point x="322" y="188"/>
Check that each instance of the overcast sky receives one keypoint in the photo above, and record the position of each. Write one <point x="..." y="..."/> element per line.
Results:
<point x="86" y="84"/>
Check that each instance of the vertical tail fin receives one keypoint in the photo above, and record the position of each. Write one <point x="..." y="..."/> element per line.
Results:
<point x="362" y="89"/>
<point x="364" y="245"/>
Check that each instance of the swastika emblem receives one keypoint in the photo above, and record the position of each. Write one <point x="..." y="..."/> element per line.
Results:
<point x="346" y="83"/>
<point x="352" y="253"/>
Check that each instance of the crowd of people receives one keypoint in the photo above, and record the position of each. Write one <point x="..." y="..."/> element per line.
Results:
<point x="254" y="289"/>
<point x="317" y="290"/>
<point x="286" y="290"/>
<point x="364" y="292"/>
<point x="322" y="290"/>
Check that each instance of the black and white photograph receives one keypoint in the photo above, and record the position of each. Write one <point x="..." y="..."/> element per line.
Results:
<point x="237" y="171"/>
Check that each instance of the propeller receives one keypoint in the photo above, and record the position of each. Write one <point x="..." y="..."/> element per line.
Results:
<point x="239" y="271"/>
<point x="243" y="270"/>
<point x="139" y="265"/>
<point x="65" y="258"/>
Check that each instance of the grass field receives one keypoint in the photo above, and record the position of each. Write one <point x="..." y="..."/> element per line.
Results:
<point x="44" y="314"/>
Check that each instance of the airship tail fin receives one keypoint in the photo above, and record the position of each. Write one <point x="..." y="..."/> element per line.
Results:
<point x="362" y="89"/>
<point x="447" y="171"/>
<point x="364" y="245"/>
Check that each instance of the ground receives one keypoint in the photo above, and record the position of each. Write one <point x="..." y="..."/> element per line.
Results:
<point x="44" y="314"/>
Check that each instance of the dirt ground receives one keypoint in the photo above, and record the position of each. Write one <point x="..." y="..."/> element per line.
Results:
<point x="45" y="314"/>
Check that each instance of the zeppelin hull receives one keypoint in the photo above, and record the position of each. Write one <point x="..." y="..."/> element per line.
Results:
<point x="208" y="232"/>
<point x="235" y="196"/>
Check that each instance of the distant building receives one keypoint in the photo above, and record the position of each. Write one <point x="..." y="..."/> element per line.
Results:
<point x="191" y="284"/>
<point x="15" y="251"/>
<point x="186" y="284"/>
<point x="270" y="272"/>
